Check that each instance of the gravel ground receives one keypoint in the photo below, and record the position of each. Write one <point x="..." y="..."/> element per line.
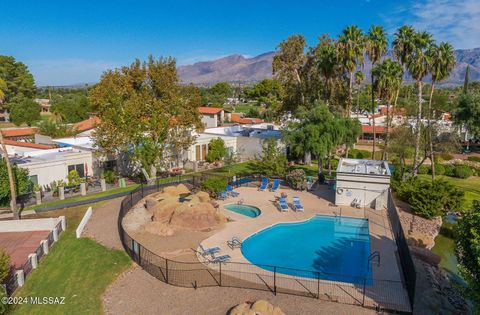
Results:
<point x="102" y="226"/>
<point x="136" y="292"/>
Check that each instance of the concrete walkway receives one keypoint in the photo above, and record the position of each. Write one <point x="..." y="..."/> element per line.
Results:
<point x="102" y="226"/>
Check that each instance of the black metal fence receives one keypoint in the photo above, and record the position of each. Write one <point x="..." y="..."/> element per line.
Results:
<point x="408" y="267"/>
<point x="367" y="292"/>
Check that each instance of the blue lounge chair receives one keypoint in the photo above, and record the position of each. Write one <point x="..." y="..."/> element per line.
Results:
<point x="208" y="251"/>
<point x="282" y="203"/>
<point x="297" y="205"/>
<point x="235" y="242"/>
<point x="264" y="184"/>
<point x="232" y="192"/>
<point x="221" y="259"/>
<point x="222" y="195"/>
<point x="275" y="185"/>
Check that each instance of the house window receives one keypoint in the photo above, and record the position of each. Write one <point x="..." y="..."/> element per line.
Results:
<point x="80" y="168"/>
<point x="204" y="151"/>
<point x="197" y="153"/>
<point x="34" y="179"/>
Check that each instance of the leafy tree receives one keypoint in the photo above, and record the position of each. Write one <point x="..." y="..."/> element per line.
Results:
<point x="268" y="93"/>
<point x="21" y="181"/>
<point x="216" y="150"/>
<point x="217" y="94"/>
<point x="442" y="62"/>
<point x="387" y="79"/>
<point x="287" y="67"/>
<point x="26" y="111"/>
<point x="19" y="81"/>
<point x="401" y="145"/>
<point x="55" y="129"/>
<point x="467" y="250"/>
<point x="468" y="113"/>
<point x="351" y="48"/>
<point x="143" y="104"/>
<point x="3" y="88"/>
<point x="418" y="66"/>
<point x="71" y="108"/>
<point x="272" y="162"/>
<point x="376" y="48"/>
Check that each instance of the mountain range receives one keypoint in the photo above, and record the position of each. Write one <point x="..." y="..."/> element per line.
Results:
<point x="239" y="69"/>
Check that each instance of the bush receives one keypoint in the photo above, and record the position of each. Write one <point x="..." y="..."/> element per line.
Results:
<point x="73" y="178"/>
<point x="439" y="169"/>
<point x="109" y="176"/>
<point x="446" y="156"/>
<point x="297" y="179"/>
<point x="216" y="150"/>
<point x="449" y="170"/>
<point x="474" y="158"/>
<point x="4" y="264"/>
<point x="214" y="185"/>
<point x="333" y="164"/>
<point x="430" y="199"/>
<point x="359" y="154"/>
<point x="462" y="171"/>
<point x="423" y="169"/>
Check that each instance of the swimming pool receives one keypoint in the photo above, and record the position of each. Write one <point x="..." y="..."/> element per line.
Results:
<point x="246" y="210"/>
<point x="331" y="248"/>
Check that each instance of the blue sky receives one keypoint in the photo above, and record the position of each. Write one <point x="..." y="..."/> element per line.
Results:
<point x="69" y="42"/>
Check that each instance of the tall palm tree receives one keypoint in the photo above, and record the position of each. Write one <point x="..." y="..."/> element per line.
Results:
<point x="359" y="78"/>
<point x="351" y="47"/>
<point x="376" y="48"/>
<point x="388" y="77"/>
<point x="442" y="62"/>
<point x="418" y="66"/>
<point x="326" y="55"/>
<point x="403" y="46"/>
<point x="11" y="182"/>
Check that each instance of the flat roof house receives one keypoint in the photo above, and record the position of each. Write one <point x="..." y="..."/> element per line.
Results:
<point x="362" y="183"/>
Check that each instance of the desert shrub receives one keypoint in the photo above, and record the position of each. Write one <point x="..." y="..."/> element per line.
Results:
<point x="462" y="171"/>
<point x="439" y="169"/>
<point x="216" y="150"/>
<point x="73" y="178"/>
<point x="449" y="170"/>
<point x="446" y="156"/>
<point x="423" y="169"/>
<point x="297" y="179"/>
<point x="214" y="185"/>
<point x="109" y="176"/>
<point x="474" y="158"/>
<point x="430" y="199"/>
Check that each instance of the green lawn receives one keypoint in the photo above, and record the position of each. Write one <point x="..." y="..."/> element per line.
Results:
<point x="242" y="108"/>
<point x="78" y="269"/>
<point x="471" y="187"/>
<point x="87" y="197"/>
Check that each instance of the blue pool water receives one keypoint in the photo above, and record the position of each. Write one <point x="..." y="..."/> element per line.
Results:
<point x="331" y="248"/>
<point x="246" y="210"/>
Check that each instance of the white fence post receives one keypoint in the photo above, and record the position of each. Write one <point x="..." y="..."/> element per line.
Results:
<point x="55" y="234"/>
<point x="34" y="260"/>
<point x="64" y="222"/>
<point x="20" y="277"/>
<point x="44" y="243"/>
<point x="84" y="221"/>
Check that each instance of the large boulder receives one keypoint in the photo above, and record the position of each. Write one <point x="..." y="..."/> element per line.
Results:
<point x="197" y="217"/>
<point x="159" y="228"/>
<point x="176" y="190"/>
<point x="260" y="307"/>
<point x="164" y="209"/>
<point x="136" y="218"/>
<point x="242" y="309"/>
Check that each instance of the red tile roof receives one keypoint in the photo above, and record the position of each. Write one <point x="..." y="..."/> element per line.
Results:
<point x="398" y="111"/>
<point x="88" y="124"/>
<point x="209" y="110"/>
<point x="19" y="132"/>
<point x="378" y="129"/>
<point x="28" y="145"/>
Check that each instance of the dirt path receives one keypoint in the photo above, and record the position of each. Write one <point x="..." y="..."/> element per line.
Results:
<point x="103" y="224"/>
<point x="136" y="292"/>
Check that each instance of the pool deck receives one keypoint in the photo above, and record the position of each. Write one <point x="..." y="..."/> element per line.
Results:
<point x="387" y="290"/>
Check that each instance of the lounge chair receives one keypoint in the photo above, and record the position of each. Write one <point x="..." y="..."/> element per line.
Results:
<point x="275" y="185"/>
<point x="208" y="251"/>
<point x="282" y="203"/>
<point x="235" y="242"/>
<point x="222" y="195"/>
<point x="264" y="184"/>
<point x="297" y="205"/>
<point x="221" y="259"/>
<point x="232" y="192"/>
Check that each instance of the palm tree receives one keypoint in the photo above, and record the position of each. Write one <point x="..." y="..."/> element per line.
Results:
<point x="350" y="48"/>
<point x="403" y="46"/>
<point x="376" y="48"/>
<point x="326" y="62"/>
<point x="388" y="77"/>
<point x="13" y="194"/>
<point x="442" y="62"/>
<point x="418" y="66"/>
<point x="359" y="78"/>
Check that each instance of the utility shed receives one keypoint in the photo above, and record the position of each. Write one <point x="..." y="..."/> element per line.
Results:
<point x="362" y="183"/>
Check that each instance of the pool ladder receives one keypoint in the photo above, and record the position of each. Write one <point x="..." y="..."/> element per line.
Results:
<point x="374" y="255"/>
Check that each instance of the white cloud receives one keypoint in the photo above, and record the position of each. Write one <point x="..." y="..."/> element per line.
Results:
<point x="68" y="71"/>
<point x="455" y="21"/>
